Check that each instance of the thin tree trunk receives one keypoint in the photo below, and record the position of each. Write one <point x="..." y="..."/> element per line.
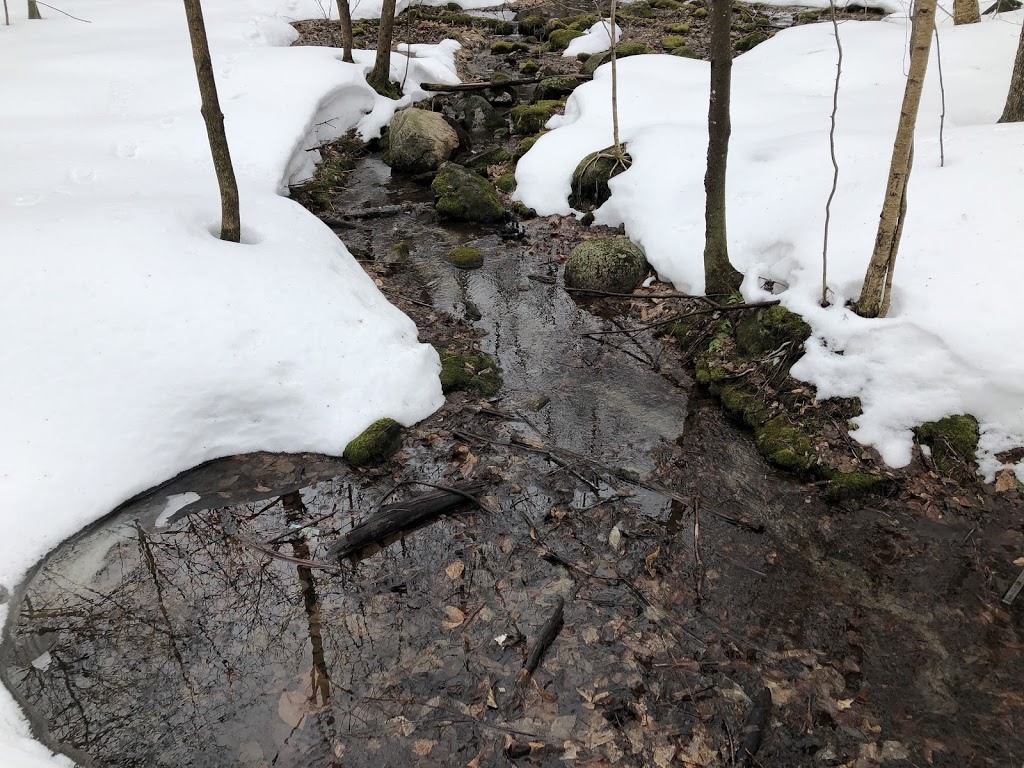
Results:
<point x="1013" y="112"/>
<point x="230" y="224"/>
<point x="966" y="12"/>
<point x="33" y="10"/>
<point x="345" y="19"/>
<point x="7" y="16"/>
<point x="381" y="74"/>
<point x="619" y="155"/>
<point x="719" y="276"/>
<point x="873" y="300"/>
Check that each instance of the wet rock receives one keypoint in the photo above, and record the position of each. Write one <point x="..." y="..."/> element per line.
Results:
<point x="559" y="39"/>
<point x="462" y="195"/>
<point x="590" y="179"/>
<point x="531" y="118"/>
<point x="621" y="52"/>
<point x="785" y="445"/>
<point x="554" y="88"/>
<point x="465" y="258"/>
<point x="476" y="114"/>
<point x="613" y="264"/>
<point x="419" y="141"/>
<point x="747" y="42"/>
<point x="491" y="156"/>
<point x="766" y="330"/>
<point x="532" y="25"/>
<point x="477" y="373"/>
<point x="375" y="444"/>
<point x="953" y="441"/>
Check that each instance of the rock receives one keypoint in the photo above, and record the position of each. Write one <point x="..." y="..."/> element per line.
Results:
<point x="559" y="39"/>
<point x="477" y="373"/>
<point x="612" y="264"/>
<point x="462" y="195"/>
<point x="506" y="182"/>
<point x="419" y="141"/>
<point x="529" y="67"/>
<point x="465" y="258"/>
<point x="475" y="114"/>
<point x="530" y="118"/>
<point x="766" y="330"/>
<point x="374" y="444"/>
<point x="953" y="441"/>
<point x="554" y="88"/>
<point x="398" y="254"/>
<point x="590" y="179"/>
<point x="526" y="145"/>
<point x="502" y="47"/>
<point x="621" y="52"/>
<point x="747" y="42"/>
<point x="532" y="25"/>
<point x="685" y="52"/>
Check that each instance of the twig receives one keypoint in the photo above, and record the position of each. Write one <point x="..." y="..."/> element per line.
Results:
<point x="547" y="636"/>
<point x="312" y="564"/>
<point x="753" y="729"/>
<point x="58" y="10"/>
<point x="835" y="163"/>
<point x="942" y="92"/>
<point x="1013" y="591"/>
<point x="699" y="570"/>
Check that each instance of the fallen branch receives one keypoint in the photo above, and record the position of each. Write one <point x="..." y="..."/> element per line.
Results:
<point x="547" y="636"/>
<point x="434" y="87"/>
<point x="754" y="728"/>
<point x="345" y="219"/>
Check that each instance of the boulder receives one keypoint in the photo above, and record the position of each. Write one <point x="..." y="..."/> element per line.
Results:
<point x="531" y="118"/>
<point x="465" y="257"/>
<point x="590" y="179"/>
<point x="476" y="114"/>
<point x="374" y="444"/>
<point x="462" y="195"/>
<point x="419" y="141"/>
<point x="612" y="264"/>
<point x="554" y="88"/>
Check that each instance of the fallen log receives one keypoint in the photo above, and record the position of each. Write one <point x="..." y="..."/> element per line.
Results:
<point x="486" y="86"/>
<point x="344" y="220"/>
<point x="547" y="636"/>
<point x="402" y="516"/>
<point x="754" y="728"/>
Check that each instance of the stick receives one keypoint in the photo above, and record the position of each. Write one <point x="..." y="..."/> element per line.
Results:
<point x="485" y="86"/>
<point x="699" y="570"/>
<point x="547" y="635"/>
<point x="753" y="729"/>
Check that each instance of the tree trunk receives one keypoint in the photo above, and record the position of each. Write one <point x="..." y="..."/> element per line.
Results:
<point x="33" y="10"/>
<point x="1013" y="112"/>
<point x="619" y="154"/>
<point x="381" y="74"/>
<point x="966" y="12"/>
<point x="345" y="19"/>
<point x="874" y="297"/>
<point x="230" y="224"/>
<point x="719" y="276"/>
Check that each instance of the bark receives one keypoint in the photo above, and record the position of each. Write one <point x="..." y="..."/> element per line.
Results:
<point x="719" y="276"/>
<point x="874" y="297"/>
<point x="345" y="19"/>
<point x="230" y="224"/>
<point x="33" y="10"/>
<point x="966" y="12"/>
<point x="381" y="74"/>
<point x="1013" y="112"/>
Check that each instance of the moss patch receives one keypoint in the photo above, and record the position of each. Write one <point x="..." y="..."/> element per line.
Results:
<point x="559" y="39"/>
<point x="530" y="118"/>
<point x="747" y="42"/>
<point x="852" y="485"/>
<point x="470" y="373"/>
<point x="375" y="444"/>
<point x="462" y="195"/>
<point x="785" y="445"/>
<point x="954" y="445"/>
<point x="771" y="329"/>
<point x="526" y="145"/>
<point x="685" y="52"/>
<point x="465" y="258"/>
<point x="678" y="29"/>
<point x="506" y="182"/>
<point x="673" y="41"/>
<point x="503" y="46"/>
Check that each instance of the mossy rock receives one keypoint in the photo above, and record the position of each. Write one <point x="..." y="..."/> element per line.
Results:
<point x="700" y="13"/>
<point x="530" y="67"/>
<point x="532" y="26"/>
<point x="740" y="402"/>
<point x="554" y="88"/>
<point x="328" y="178"/>
<point x="453" y="6"/>
<point x="502" y="27"/>
<point x="685" y="52"/>
<point x="612" y="264"/>
<point x="638" y="10"/>
<point x="523" y="211"/>
<point x="489" y="157"/>
<point x="784" y="445"/>
<point x="590" y="179"/>
<point x="398" y="254"/>
<point x="506" y="182"/>
<point x="673" y="41"/>
<point x="559" y="39"/>
<point x="470" y="373"/>
<point x="766" y="330"/>
<point x="419" y="141"/>
<point x="621" y="52"/>
<point x="582" y="56"/>
<point x="531" y="118"/>
<point x="852" y="485"/>
<point x="678" y="29"/>
<point x="583" y="22"/>
<point x="747" y="42"/>
<point x="954" y="444"/>
<point x="374" y="444"/>
<point x="465" y="258"/>
<point x="666" y="5"/>
<point x="462" y="195"/>
<point x="475" y="114"/>
<point x="503" y="47"/>
<point x="809" y="16"/>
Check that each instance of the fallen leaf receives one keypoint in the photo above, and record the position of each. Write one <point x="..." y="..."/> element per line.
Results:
<point x="455" y="570"/>
<point x="422" y="747"/>
<point x="491" y="701"/>
<point x="455" y="617"/>
<point x="844" y="704"/>
<point x="1006" y="481"/>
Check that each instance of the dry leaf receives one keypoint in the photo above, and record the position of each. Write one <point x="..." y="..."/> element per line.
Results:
<point x="455" y="617"/>
<point x="1006" y="481"/>
<point x="455" y="570"/>
<point x="844" y="704"/>
<point x="491" y="701"/>
<point x="422" y="747"/>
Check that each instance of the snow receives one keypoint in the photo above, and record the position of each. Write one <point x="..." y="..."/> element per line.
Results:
<point x="134" y="343"/>
<point x="598" y="39"/>
<point x="949" y="344"/>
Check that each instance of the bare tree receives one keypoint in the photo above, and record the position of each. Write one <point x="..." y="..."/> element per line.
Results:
<point x="966" y="12"/>
<point x="832" y="154"/>
<point x="1013" y="112"/>
<point x="33" y="10"/>
<point x="877" y="290"/>
<point x="345" y="20"/>
<point x="619" y="154"/>
<point x="381" y="74"/>
<point x="720" y="277"/>
<point x="7" y="16"/>
<point x="230" y="224"/>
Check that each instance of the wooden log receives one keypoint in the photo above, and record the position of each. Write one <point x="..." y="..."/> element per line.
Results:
<point x="457" y="87"/>
<point x="402" y="516"/>
<point x="547" y="635"/>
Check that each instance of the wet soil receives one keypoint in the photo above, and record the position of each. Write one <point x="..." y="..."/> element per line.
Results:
<point x="694" y="576"/>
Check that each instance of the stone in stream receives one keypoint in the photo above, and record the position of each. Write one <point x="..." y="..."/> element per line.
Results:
<point x="465" y="258"/>
<point x="419" y="141"/>
<point x="374" y="444"/>
<point x="612" y="264"/>
<point x="554" y="88"/>
<point x="590" y="179"/>
<point x="476" y="114"/>
<point x="462" y="195"/>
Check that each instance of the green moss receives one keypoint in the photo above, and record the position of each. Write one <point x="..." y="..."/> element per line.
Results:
<point x="489" y="157"/>
<point x="503" y="47"/>
<point x="954" y="444"/>
<point x="471" y="373"/>
<point x="589" y="184"/>
<point x="785" y="445"/>
<point x="559" y="39"/>
<point x="328" y="178"/>
<point x="502" y="27"/>
<point x="809" y="16"/>
<point x="465" y="258"/>
<point x="462" y="195"/>
<point x="700" y="13"/>
<point x="523" y="211"/>
<point x="852" y="485"/>
<point x="631" y="49"/>
<point x="506" y="182"/>
<point x="390" y="89"/>
<point x="529" y="67"/>
<point x="673" y="41"/>
<point x="747" y="42"/>
<point x="555" y="88"/>
<point x="526" y="145"/>
<point x="530" y="118"/>
<point x="638" y="10"/>
<point x="685" y="52"/>
<point x="532" y="26"/>
<point x="375" y="444"/>
<point x="453" y="6"/>
<point x="666" y="5"/>
<point x="767" y="330"/>
<point x="582" y="56"/>
<point x="583" y="22"/>
<point x="678" y="29"/>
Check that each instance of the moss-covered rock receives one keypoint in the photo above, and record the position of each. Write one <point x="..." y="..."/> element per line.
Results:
<point x="476" y="114"/>
<point x="465" y="257"/>
<point x="613" y="264"/>
<point x="554" y="88"/>
<point x="853" y="485"/>
<point x="621" y="52"/>
<point x="700" y="13"/>
<point x="375" y="444"/>
<point x="685" y="52"/>
<point x="533" y="26"/>
<point x="506" y="182"/>
<point x="678" y="29"/>
<point x="590" y="179"/>
<point x="530" y="67"/>
<point x="638" y="10"/>
<point x="766" y="330"/>
<point x="953" y="441"/>
<point x="471" y="373"/>
<point x="502" y="47"/>
<point x="526" y="145"/>
<point x="809" y="16"/>
<point x="419" y="141"/>
<point x="747" y="42"/>
<point x="785" y="445"/>
<point x="559" y="39"/>
<point x="530" y="118"/>
<point x="583" y="22"/>
<point x="461" y="195"/>
<point x="673" y="41"/>
<point x="666" y="5"/>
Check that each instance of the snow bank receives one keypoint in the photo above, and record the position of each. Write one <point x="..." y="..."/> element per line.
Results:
<point x="949" y="345"/>
<point x="134" y="343"/>
<point x="598" y="39"/>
